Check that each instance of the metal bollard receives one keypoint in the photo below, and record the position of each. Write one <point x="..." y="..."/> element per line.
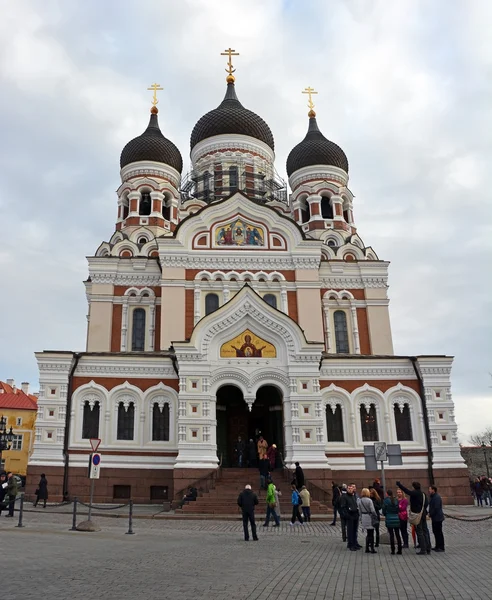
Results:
<point x="130" y="518"/>
<point x="74" y="515"/>
<point x="21" y="511"/>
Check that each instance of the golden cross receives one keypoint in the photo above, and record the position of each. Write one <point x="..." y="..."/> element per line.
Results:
<point x="229" y="52"/>
<point x="310" y="91"/>
<point x="155" y="87"/>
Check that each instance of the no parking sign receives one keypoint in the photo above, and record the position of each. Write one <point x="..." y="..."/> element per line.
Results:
<point x="94" y="465"/>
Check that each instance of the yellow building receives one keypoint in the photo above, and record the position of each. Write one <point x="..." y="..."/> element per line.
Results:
<point x="18" y="410"/>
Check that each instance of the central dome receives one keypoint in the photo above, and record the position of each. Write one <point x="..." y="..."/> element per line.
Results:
<point x="231" y="117"/>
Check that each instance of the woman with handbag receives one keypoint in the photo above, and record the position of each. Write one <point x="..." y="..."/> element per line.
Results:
<point x="369" y="518"/>
<point x="42" y="491"/>
<point x="391" y="511"/>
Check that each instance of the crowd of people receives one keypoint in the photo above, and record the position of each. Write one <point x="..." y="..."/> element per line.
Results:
<point x="9" y="489"/>
<point x="481" y="489"/>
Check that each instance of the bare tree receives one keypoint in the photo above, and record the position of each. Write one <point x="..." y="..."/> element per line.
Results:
<point x="485" y="437"/>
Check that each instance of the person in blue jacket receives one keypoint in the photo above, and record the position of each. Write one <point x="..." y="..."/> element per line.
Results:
<point x="296" y="502"/>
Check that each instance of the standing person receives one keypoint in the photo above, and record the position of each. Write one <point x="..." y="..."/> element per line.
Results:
<point x="251" y="454"/>
<point x="378" y="505"/>
<point x="299" y="476"/>
<point x="484" y="482"/>
<point x="247" y="500"/>
<point x="335" y="496"/>
<point x="262" y="447"/>
<point x="11" y="493"/>
<point x="296" y="502"/>
<point x="391" y="511"/>
<point x="271" y="504"/>
<point x="3" y="490"/>
<point x="350" y="512"/>
<point x="379" y="488"/>
<point x="403" y="516"/>
<point x="367" y="517"/>
<point x="343" y="518"/>
<point x="239" y="448"/>
<point x="418" y="506"/>
<point x="272" y="456"/>
<point x="306" y="503"/>
<point x="42" y="491"/>
<point x="278" y="493"/>
<point x="437" y="517"/>
<point x="264" y="471"/>
<point x="478" y="492"/>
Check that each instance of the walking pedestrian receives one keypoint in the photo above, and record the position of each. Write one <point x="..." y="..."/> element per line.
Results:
<point x="343" y="517"/>
<point x="350" y="511"/>
<point x="247" y="500"/>
<point x="262" y="446"/>
<point x="335" y="496"/>
<point x="391" y="511"/>
<point x="42" y="491"/>
<point x="478" y="491"/>
<point x="418" y="514"/>
<point x="299" y="476"/>
<point x="368" y="518"/>
<point x="306" y="503"/>
<point x="11" y="493"/>
<point x="264" y="471"/>
<point x="296" y="502"/>
<point x="378" y="505"/>
<point x="271" y="505"/>
<point x="403" y="516"/>
<point x="272" y="456"/>
<point x="437" y="517"/>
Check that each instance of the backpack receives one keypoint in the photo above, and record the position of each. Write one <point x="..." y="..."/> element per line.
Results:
<point x="299" y="503"/>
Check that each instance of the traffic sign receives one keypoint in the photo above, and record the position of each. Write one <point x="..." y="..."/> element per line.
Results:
<point x="94" y="465"/>
<point x="380" y="451"/>
<point x="95" y="442"/>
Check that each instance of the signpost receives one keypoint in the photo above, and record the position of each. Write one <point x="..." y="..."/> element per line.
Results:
<point x="93" y="473"/>
<point x="382" y="452"/>
<point x="381" y="455"/>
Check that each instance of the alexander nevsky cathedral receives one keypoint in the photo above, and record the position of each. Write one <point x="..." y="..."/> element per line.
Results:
<point x="227" y="302"/>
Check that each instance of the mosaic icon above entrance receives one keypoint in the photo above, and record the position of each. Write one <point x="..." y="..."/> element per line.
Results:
<point x="248" y="345"/>
<point x="239" y="232"/>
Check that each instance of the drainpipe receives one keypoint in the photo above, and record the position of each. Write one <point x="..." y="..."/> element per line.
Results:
<point x="430" y="457"/>
<point x="75" y="362"/>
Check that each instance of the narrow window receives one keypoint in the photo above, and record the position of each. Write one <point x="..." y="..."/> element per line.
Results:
<point x="341" y="332"/>
<point x="90" y="422"/>
<point x="211" y="303"/>
<point x="233" y="179"/>
<point x="145" y="207"/>
<point x="160" y="423"/>
<point x="369" y="424"/>
<point x="126" y="417"/>
<point x="138" y="329"/>
<point x="305" y="214"/>
<point x="326" y="208"/>
<point x="403" y="424"/>
<point x="270" y="299"/>
<point x="334" y="423"/>
<point x="206" y="186"/>
<point x="166" y="209"/>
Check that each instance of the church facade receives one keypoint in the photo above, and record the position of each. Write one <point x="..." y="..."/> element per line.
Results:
<point x="225" y="304"/>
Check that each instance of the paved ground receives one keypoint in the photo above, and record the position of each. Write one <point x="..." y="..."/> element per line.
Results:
<point x="191" y="560"/>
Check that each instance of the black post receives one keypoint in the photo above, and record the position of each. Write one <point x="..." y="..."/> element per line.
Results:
<point x="74" y="515"/>
<point x="21" y="511"/>
<point x="130" y="518"/>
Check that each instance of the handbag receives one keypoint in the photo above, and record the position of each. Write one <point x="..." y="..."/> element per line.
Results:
<point x="273" y="505"/>
<point x="415" y="518"/>
<point x="374" y="517"/>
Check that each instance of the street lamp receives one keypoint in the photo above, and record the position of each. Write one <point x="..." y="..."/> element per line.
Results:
<point x="6" y="437"/>
<point x="484" y="448"/>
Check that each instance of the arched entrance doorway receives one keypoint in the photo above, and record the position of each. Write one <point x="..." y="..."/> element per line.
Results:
<point x="235" y="419"/>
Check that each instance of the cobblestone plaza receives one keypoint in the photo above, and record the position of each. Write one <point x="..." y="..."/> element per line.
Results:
<point x="209" y="559"/>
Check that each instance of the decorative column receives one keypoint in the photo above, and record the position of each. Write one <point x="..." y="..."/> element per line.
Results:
<point x="326" y="315"/>
<point x="337" y="205"/>
<point x="196" y="297"/>
<point x="152" y="326"/>
<point x="124" y="324"/>
<point x="157" y="200"/>
<point x="133" y="200"/>
<point x="314" y="202"/>
<point x="284" y="305"/>
<point x="355" y="328"/>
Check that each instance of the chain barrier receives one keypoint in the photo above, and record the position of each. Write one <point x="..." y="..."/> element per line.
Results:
<point x="467" y="520"/>
<point x="94" y="507"/>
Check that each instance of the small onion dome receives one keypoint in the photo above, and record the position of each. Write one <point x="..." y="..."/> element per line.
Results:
<point x="231" y="117"/>
<point x="153" y="146"/>
<point x="315" y="149"/>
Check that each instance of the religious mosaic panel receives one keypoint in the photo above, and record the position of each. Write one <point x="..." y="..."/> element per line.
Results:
<point x="248" y="345"/>
<point x="239" y="232"/>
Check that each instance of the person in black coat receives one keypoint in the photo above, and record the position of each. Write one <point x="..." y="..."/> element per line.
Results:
<point x="350" y="512"/>
<point x="264" y="467"/>
<point x="42" y="491"/>
<point x="335" y="496"/>
<point x="247" y="500"/>
<point x="437" y="517"/>
<point x="3" y="490"/>
<point x="418" y="503"/>
<point x="299" y="476"/>
<point x="251" y="453"/>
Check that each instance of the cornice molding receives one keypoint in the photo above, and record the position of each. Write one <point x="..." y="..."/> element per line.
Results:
<point x="149" y="279"/>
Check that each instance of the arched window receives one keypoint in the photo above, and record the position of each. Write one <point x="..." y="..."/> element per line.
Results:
<point x="166" y="209"/>
<point x="138" y="329"/>
<point x="211" y="303"/>
<point x="270" y="299"/>
<point x="334" y="423"/>
<point x="233" y="178"/>
<point x="341" y="331"/>
<point x="126" y="421"/>
<point x="403" y="423"/>
<point x="145" y="207"/>
<point x="305" y="213"/>
<point x="369" y="423"/>
<point x="90" y="422"/>
<point x="160" y="423"/>
<point x="326" y="208"/>
<point x="125" y="207"/>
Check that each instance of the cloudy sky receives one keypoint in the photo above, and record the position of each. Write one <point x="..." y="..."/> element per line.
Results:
<point x="404" y="87"/>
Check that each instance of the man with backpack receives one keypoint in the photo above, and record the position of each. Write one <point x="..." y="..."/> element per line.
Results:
<point x="296" y="503"/>
<point x="418" y="515"/>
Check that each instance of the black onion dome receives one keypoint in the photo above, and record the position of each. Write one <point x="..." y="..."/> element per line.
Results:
<point x="152" y="145"/>
<point x="231" y="117"/>
<point x="315" y="149"/>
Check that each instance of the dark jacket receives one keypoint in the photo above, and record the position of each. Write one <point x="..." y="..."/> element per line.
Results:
<point x="299" y="475"/>
<point x="378" y="505"/>
<point x="247" y="500"/>
<point x="416" y="497"/>
<point x="251" y="450"/>
<point x="348" y="506"/>
<point x="264" y="466"/>
<point x="239" y="447"/>
<point x="391" y="510"/>
<point x="12" y="487"/>
<point x="43" y="489"/>
<point x="335" y="495"/>
<point x="435" y="508"/>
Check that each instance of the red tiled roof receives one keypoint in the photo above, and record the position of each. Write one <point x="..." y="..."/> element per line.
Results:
<point x="17" y="399"/>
